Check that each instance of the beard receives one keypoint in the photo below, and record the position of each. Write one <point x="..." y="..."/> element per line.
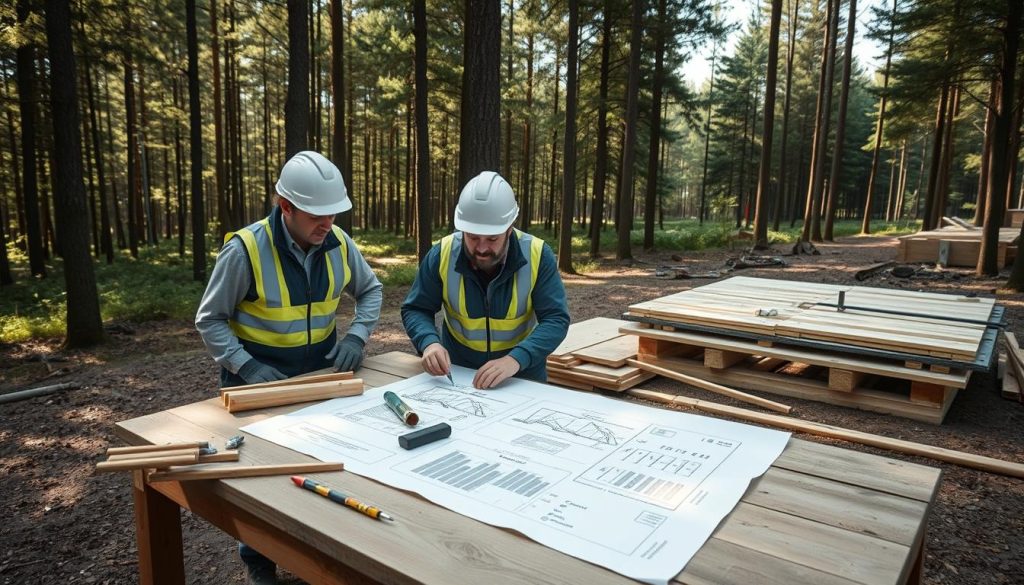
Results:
<point x="487" y="260"/>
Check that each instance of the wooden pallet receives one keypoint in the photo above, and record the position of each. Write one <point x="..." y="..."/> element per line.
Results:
<point x="955" y="247"/>
<point x="778" y="308"/>
<point x="845" y="380"/>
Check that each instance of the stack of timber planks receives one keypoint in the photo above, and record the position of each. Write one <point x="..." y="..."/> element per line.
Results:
<point x="1011" y="368"/>
<point x="593" y="356"/>
<point x="290" y="391"/>
<point x="783" y="337"/>
<point x="955" y="246"/>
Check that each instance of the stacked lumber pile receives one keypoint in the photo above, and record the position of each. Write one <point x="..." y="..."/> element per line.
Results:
<point x="161" y="456"/>
<point x="886" y="351"/>
<point x="290" y="391"/>
<point x="1011" y="368"/>
<point x="955" y="245"/>
<point x="594" y="355"/>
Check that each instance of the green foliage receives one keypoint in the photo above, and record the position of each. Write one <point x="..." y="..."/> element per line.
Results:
<point x="156" y="286"/>
<point x="398" y="274"/>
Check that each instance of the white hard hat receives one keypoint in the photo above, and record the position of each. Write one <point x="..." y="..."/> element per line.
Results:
<point x="313" y="184"/>
<point x="487" y="206"/>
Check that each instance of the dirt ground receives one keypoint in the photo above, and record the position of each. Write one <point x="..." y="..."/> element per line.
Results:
<point x="63" y="524"/>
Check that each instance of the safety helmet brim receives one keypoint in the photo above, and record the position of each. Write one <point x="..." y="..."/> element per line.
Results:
<point x="480" y="229"/>
<point x="331" y="209"/>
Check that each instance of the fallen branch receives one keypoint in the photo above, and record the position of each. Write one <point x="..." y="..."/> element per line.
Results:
<point x="937" y="453"/>
<point x="33" y="392"/>
<point x="865" y="273"/>
<point x="710" y="386"/>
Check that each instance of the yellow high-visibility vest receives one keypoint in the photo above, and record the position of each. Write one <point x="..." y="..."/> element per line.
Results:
<point x="272" y="319"/>
<point x="501" y="333"/>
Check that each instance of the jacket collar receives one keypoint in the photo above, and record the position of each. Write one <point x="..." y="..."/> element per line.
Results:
<point x="278" y="230"/>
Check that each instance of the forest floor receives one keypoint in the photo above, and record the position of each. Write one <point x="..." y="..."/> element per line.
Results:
<point x="63" y="524"/>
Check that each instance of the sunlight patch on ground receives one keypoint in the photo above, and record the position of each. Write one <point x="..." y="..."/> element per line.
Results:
<point x="88" y="414"/>
<point x="583" y="281"/>
<point x="391" y="260"/>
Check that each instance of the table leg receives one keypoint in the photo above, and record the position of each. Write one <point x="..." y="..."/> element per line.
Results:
<point x="158" y="531"/>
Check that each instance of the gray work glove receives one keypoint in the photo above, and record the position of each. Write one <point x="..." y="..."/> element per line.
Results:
<point x="254" y="372"/>
<point x="347" y="354"/>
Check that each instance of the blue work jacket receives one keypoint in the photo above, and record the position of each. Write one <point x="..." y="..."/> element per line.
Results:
<point x="548" y="300"/>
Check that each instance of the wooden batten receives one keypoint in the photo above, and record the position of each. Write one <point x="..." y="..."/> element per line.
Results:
<point x="193" y="452"/>
<point x="297" y="381"/>
<point x="220" y="472"/>
<point x="151" y="448"/>
<point x="147" y="463"/>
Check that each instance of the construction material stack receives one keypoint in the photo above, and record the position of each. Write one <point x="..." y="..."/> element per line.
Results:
<point x="901" y="352"/>
<point x="594" y="356"/>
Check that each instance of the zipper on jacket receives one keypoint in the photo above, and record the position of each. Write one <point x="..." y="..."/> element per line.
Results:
<point x="487" y="318"/>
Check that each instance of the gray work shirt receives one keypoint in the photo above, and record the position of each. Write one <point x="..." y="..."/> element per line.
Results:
<point x="230" y="282"/>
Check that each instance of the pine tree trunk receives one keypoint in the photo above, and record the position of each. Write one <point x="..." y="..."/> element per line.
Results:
<point x="707" y="140"/>
<point x="988" y="261"/>
<point x="296" y="109"/>
<point x="782" y="197"/>
<point x="527" y="186"/>
<point x="134" y="212"/>
<point x="844" y="99"/>
<point x="509" y="82"/>
<point x="601" y="162"/>
<point x="106" y="245"/>
<point x="84" y="326"/>
<point x="480" y="127"/>
<point x="338" y="134"/>
<point x="651" y="196"/>
<point x="549" y="216"/>
<point x="812" y="218"/>
<point x="625" y="223"/>
<point x="764" y="172"/>
<point x="865" y="225"/>
<point x="27" y="104"/>
<point x="569" y="166"/>
<point x="423" y="195"/>
<point x="195" y="146"/>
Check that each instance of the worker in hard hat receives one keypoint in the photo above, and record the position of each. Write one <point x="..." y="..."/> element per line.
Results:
<point x="269" y="311"/>
<point x="500" y="290"/>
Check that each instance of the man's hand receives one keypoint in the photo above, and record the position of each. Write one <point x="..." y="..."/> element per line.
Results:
<point x="494" y="372"/>
<point x="436" y="360"/>
<point x="254" y="372"/>
<point x="347" y="354"/>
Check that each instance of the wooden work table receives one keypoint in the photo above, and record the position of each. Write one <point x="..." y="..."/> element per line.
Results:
<point x="820" y="515"/>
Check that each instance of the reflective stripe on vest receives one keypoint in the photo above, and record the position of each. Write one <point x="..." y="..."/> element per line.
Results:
<point x="272" y="319"/>
<point x="519" y="319"/>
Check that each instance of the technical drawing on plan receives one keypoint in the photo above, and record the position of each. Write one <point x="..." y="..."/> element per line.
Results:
<point x="562" y="422"/>
<point x="452" y="399"/>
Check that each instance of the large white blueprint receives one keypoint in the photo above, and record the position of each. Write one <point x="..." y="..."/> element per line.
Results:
<point x="629" y="487"/>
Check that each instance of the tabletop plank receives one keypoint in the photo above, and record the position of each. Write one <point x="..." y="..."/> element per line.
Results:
<point x="853" y="508"/>
<point x="724" y="563"/>
<point x="833" y="550"/>
<point x="901" y="478"/>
